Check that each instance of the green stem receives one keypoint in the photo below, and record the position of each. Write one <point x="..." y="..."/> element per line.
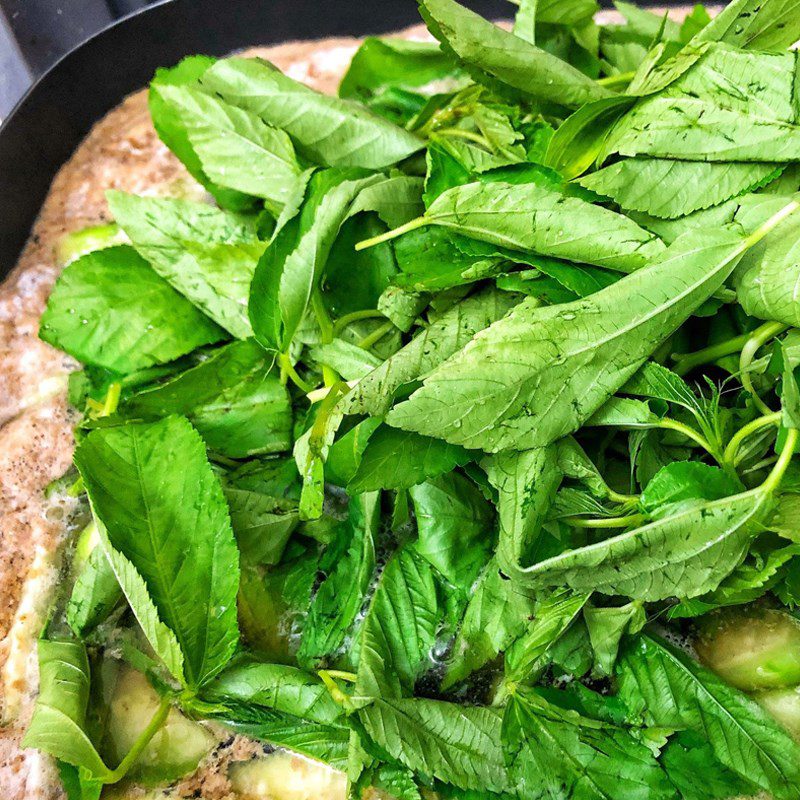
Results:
<point x="781" y="465"/>
<point x="139" y="745"/>
<point x="614" y="80"/>
<point x="350" y="677"/>
<point x="333" y="689"/>
<point x="329" y="375"/>
<point x="77" y="488"/>
<point x="686" y="362"/>
<point x="758" y="338"/>
<point x="287" y="368"/>
<point x="376" y="335"/>
<point x="112" y="399"/>
<point x="355" y="316"/>
<point x="689" y="433"/>
<point x="735" y="443"/>
<point x="462" y="134"/>
<point x="414" y="224"/>
<point x="606" y="522"/>
<point x="621" y="498"/>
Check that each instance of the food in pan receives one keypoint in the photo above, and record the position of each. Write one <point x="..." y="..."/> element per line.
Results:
<point x="438" y="439"/>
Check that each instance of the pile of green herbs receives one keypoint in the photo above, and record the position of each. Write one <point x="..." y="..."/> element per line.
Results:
<point x="466" y="395"/>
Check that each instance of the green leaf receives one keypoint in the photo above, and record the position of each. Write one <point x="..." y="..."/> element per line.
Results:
<point x="766" y="279"/>
<point x="684" y="483"/>
<point x="455" y="526"/>
<point x="330" y="131"/>
<point x="291" y="267"/>
<point x="540" y="373"/>
<point x="395" y="459"/>
<point x="694" y="119"/>
<point x="399" y="629"/>
<point x="532" y="218"/>
<point x="672" y="691"/>
<point x="208" y="255"/>
<point x="755" y="25"/>
<point x="749" y="581"/>
<point x="666" y="188"/>
<point x="687" y="553"/>
<point x="457" y="744"/>
<point x="385" y="62"/>
<point x="234" y="398"/>
<point x="606" y="628"/>
<point x="284" y="689"/>
<point x="563" y="754"/>
<point x="328" y="743"/>
<point x="109" y="309"/>
<point x="167" y="533"/>
<point x="58" y="726"/>
<point x="263" y="508"/>
<point x="349" y="360"/>
<point x="691" y="766"/>
<point x="172" y="130"/>
<point x="526" y="484"/>
<point x="341" y="595"/>
<point x="553" y="616"/>
<point x="237" y="150"/>
<point x="504" y="61"/>
<point x="95" y="595"/>
<point x="496" y="615"/>
<point x="446" y="335"/>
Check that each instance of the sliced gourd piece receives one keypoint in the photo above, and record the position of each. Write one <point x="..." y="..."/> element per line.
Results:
<point x="752" y="648"/>
<point x="286" y="776"/>
<point x="784" y="705"/>
<point x="175" y="750"/>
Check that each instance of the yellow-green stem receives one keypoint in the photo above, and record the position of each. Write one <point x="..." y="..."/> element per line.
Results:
<point x="376" y="335"/>
<point x="287" y="368"/>
<point x="689" y="433"/>
<point x="141" y="742"/>
<point x="606" y="522"/>
<point x="355" y="316"/>
<point x="686" y="362"/>
<point x="615" y="80"/>
<point x="414" y="224"/>
<point x="758" y="338"/>
<point x="736" y="441"/>
<point x="774" y="478"/>
<point x="112" y="399"/>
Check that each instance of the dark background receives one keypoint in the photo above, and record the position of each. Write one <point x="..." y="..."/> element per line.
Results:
<point x="35" y="33"/>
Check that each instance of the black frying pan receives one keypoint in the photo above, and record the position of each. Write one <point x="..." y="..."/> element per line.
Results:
<point x="50" y="121"/>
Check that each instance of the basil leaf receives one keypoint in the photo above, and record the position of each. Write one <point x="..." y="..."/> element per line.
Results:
<point x="399" y="628"/>
<point x="237" y="150"/>
<point x="285" y="689"/>
<point x="687" y="553"/>
<point x="550" y="748"/>
<point x="455" y="527"/>
<point x="504" y="61"/>
<point x="674" y="692"/>
<point x="554" y="353"/>
<point x="233" y="398"/>
<point x="110" y="309"/>
<point x="167" y="534"/>
<point x="58" y="726"/>
<point x="457" y="744"/>
<point x="172" y="129"/>
<point x="208" y="255"/>
<point x="395" y="459"/>
<point x="443" y="337"/>
<point x="341" y="595"/>
<point x="330" y="131"/>
<point x="532" y="218"/>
